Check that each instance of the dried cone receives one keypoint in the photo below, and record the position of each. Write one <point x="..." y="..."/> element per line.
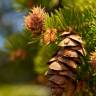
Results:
<point x="62" y="67"/>
<point x="34" y="21"/>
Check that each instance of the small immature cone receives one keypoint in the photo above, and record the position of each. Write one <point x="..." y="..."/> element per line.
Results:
<point x="34" y="21"/>
<point x="49" y="36"/>
<point x="18" y="54"/>
<point x="62" y="66"/>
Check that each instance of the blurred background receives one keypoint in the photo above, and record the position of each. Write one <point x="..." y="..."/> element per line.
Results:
<point x="21" y="65"/>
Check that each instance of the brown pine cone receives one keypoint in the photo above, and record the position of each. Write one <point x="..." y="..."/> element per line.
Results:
<point x="62" y="67"/>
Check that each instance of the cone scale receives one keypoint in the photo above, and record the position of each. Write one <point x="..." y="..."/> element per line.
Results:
<point x="62" y="69"/>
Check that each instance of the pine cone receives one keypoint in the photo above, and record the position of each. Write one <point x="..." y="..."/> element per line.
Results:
<point x="18" y="54"/>
<point x="35" y="20"/>
<point x="62" y="67"/>
<point x="49" y="36"/>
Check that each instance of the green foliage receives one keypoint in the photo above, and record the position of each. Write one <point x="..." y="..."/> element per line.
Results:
<point x="90" y="37"/>
<point x="83" y="21"/>
<point x="18" y="68"/>
<point x="82" y="4"/>
<point x="24" y="4"/>
<point x="43" y="56"/>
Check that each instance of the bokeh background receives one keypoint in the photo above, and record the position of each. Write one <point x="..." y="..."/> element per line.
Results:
<point x="21" y="66"/>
